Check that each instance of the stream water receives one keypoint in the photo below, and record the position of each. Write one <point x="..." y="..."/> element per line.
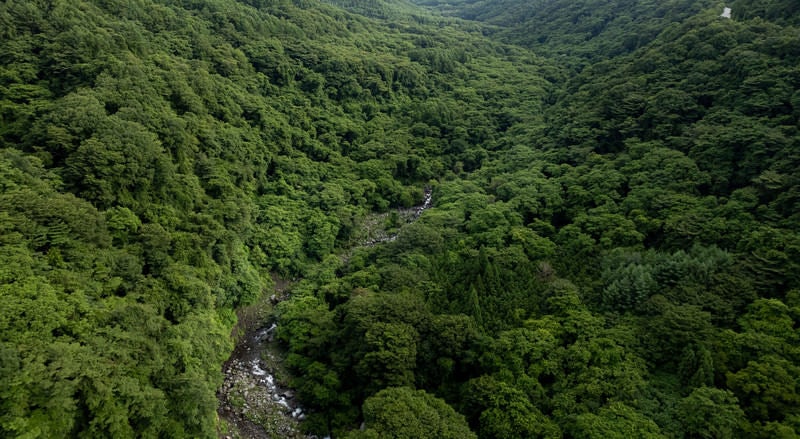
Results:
<point x="408" y="216"/>
<point x="254" y="401"/>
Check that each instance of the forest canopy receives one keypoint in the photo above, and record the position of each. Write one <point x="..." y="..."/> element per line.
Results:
<point x="613" y="249"/>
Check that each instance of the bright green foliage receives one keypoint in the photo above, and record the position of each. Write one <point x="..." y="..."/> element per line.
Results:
<point x="614" y="246"/>
<point x="159" y="159"/>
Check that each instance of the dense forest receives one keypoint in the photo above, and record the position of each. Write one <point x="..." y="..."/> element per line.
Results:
<point x="613" y="249"/>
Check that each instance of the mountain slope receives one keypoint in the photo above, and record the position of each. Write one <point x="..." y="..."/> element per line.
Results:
<point x="160" y="159"/>
<point x="629" y="267"/>
<point x="613" y="247"/>
<point x="588" y="28"/>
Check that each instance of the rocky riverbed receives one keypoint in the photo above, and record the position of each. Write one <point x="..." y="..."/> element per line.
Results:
<point x="377" y="230"/>
<point x="254" y="400"/>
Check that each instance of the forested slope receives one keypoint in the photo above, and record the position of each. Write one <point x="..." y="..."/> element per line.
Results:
<point x="613" y="249"/>
<point x="161" y="158"/>
<point x="586" y="29"/>
<point x="628" y="271"/>
<point x="598" y="29"/>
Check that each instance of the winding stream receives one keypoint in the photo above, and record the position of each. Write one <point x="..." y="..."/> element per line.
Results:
<point x="253" y="400"/>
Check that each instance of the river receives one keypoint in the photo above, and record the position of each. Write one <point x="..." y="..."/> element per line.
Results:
<point x="255" y="401"/>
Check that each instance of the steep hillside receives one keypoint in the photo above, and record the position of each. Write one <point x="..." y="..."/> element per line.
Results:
<point x="588" y="29"/>
<point x="383" y="9"/>
<point x="627" y="270"/>
<point x="160" y="159"/>
<point x="613" y="248"/>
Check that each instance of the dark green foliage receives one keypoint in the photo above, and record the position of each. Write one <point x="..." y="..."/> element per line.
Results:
<point x="616" y="421"/>
<point x="402" y="413"/>
<point x="658" y="185"/>
<point x="503" y="411"/>
<point x="613" y="249"/>
<point x="586" y="28"/>
<point x="710" y="412"/>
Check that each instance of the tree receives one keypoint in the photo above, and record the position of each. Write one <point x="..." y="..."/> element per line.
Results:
<point x="501" y="411"/>
<point x="403" y="413"/>
<point x="767" y="388"/>
<point x="711" y="413"/>
<point x="615" y="421"/>
<point x="629" y="287"/>
<point x="390" y="357"/>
